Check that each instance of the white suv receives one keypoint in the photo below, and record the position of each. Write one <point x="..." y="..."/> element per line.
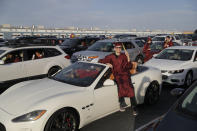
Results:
<point x="30" y="62"/>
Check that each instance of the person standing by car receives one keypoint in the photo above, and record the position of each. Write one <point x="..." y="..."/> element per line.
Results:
<point x="168" y="42"/>
<point x="146" y="49"/>
<point x="121" y="65"/>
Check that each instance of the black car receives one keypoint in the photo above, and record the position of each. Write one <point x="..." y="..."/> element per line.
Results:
<point x="121" y="36"/>
<point x="182" y="116"/>
<point x="72" y="45"/>
<point x="2" y="42"/>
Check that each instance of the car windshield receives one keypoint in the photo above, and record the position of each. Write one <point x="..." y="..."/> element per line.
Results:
<point x="1" y="51"/>
<point x="79" y="74"/>
<point x="70" y="42"/>
<point x="101" y="46"/>
<point x="158" y="46"/>
<point x="189" y="104"/>
<point x="175" y="54"/>
<point x="158" y="39"/>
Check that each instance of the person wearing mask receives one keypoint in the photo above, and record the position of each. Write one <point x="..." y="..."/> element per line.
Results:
<point x="121" y="65"/>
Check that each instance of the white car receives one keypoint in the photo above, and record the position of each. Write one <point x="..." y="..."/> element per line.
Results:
<point x="18" y="63"/>
<point x="178" y="64"/>
<point x="74" y="97"/>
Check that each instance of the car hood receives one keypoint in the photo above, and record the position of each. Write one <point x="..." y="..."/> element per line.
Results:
<point x="20" y="97"/>
<point x="166" y="64"/>
<point x="175" y="122"/>
<point x="92" y="53"/>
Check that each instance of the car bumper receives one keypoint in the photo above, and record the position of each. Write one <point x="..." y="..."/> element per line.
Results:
<point x="7" y="125"/>
<point x="175" y="79"/>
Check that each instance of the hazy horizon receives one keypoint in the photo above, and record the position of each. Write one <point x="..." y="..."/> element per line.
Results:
<point x="105" y="14"/>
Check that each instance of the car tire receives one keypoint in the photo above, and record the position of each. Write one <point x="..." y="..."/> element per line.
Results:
<point x="64" y="119"/>
<point x="139" y="60"/>
<point x="53" y="70"/>
<point x="188" y="79"/>
<point x="152" y="93"/>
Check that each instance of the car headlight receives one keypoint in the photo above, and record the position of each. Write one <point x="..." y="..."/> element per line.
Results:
<point x="176" y="71"/>
<point x="32" y="116"/>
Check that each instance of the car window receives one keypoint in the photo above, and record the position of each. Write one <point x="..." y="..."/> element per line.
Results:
<point x="158" y="46"/>
<point x="195" y="58"/>
<point x="177" y="37"/>
<point x="50" y="52"/>
<point x="189" y="104"/>
<point x="79" y="74"/>
<point x="13" y="57"/>
<point x="158" y="39"/>
<point x="101" y="46"/>
<point x="128" y="45"/>
<point x="139" y="43"/>
<point x="33" y="54"/>
<point x="176" y="54"/>
<point x="71" y="42"/>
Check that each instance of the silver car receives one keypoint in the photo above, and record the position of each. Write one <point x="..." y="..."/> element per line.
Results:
<point x="102" y="48"/>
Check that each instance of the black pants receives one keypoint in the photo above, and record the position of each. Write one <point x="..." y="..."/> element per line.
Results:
<point x="132" y="101"/>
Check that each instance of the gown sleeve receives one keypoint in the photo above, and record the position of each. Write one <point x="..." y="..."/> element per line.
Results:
<point x="107" y="59"/>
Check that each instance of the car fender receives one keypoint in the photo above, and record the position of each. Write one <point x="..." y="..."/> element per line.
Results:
<point x="67" y="100"/>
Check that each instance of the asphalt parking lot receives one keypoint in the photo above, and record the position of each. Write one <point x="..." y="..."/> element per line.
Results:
<point x="123" y="121"/>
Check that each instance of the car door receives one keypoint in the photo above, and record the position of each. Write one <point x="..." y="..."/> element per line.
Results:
<point x="105" y="97"/>
<point x="132" y="50"/>
<point x="13" y="67"/>
<point x="35" y="65"/>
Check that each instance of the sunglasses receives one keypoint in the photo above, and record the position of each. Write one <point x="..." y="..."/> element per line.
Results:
<point x="119" y="47"/>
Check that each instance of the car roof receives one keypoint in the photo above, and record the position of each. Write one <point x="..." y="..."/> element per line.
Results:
<point x="117" y="40"/>
<point x="183" y="47"/>
<point x="9" y="48"/>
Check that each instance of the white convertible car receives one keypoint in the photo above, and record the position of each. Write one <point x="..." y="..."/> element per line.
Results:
<point x="74" y="97"/>
<point x="178" y="64"/>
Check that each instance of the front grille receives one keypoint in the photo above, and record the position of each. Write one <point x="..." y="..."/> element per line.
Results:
<point x="2" y="127"/>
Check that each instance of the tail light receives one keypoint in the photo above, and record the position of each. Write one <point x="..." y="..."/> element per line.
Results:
<point x="67" y="57"/>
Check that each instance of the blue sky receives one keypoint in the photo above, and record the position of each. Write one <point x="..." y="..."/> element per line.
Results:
<point x="111" y="14"/>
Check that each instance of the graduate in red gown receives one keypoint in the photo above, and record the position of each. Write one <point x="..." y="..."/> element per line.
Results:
<point x="168" y="42"/>
<point x="147" y="50"/>
<point x="121" y="65"/>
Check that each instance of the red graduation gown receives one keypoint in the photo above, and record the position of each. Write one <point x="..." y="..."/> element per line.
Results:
<point x="121" y="72"/>
<point x="146" y="51"/>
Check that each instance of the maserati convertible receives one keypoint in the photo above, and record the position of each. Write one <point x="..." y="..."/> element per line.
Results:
<point x="72" y="98"/>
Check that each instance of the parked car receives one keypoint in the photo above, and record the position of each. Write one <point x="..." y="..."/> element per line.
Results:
<point x="156" y="48"/>
<point x="44" y="40"/>
<point x="177" y="64"/>
<point x="121" y="36"/>
<point x="2" y="42"/>
<point x="73" y="45"/>
<point x="182" y="116"/>
<point x="72" y="98"/>
<point x="28" y="62"/>
<point x="175" y="38"/>
<point x="102" y="48"/>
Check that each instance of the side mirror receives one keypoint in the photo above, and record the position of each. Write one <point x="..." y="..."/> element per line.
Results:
<point x="155" y="55"/>
<point x="108" y="82"/>
<point x="177" y="92"/>
<point x="2" y="62"/>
